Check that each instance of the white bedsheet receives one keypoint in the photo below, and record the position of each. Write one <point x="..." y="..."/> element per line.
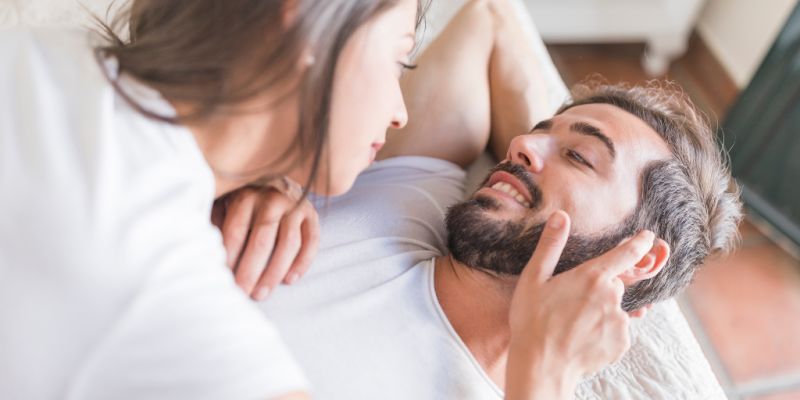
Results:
<point x="665" y="360"/>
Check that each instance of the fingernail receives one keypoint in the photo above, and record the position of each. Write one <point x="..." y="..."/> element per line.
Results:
<point x="556" y="220"/>
<point x="262" y="293"/>
<point x="292" y="278"/>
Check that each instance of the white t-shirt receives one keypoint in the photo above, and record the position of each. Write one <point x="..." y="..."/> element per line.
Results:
<point x="112" y="279"/>
<point x="364" y="322"/>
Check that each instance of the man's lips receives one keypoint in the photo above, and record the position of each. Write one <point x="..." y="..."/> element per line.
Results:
<point x="505" y="177"/>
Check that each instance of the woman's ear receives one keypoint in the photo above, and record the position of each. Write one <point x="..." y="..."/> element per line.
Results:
<point x="649" y="265"/>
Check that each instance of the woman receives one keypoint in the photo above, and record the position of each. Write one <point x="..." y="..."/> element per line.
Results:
<point x="113" y="153"/>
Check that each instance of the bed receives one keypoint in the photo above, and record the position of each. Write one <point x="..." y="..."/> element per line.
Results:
<point x="665" y="360"/>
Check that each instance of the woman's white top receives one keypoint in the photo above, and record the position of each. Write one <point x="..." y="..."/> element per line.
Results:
<point x="112" y="278"/>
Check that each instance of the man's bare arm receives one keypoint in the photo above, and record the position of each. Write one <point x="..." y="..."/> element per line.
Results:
<point x="447" y="95"/>
<point x="478" y="77"/>
<point x="518" y="93"/>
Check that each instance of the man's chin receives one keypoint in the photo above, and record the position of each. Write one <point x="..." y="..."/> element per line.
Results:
<point x="479" y="238"/>
<point x="486" y="202"/>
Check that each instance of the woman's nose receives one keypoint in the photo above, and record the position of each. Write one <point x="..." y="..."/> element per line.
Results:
<point x="400" y="116"/>
<point x="527" y="151"/>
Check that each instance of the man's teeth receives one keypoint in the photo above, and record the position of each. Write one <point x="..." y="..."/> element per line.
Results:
<point x="505" y="187"/>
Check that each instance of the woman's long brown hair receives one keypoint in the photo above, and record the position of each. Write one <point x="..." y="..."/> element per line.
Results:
<point x="215" y="54"/>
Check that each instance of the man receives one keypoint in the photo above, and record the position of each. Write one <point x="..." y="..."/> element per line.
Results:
<point x="405" y="302"/>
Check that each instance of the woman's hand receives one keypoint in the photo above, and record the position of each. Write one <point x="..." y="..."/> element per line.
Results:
<point x="569" y="325"/>
<point x="269" y="237"/>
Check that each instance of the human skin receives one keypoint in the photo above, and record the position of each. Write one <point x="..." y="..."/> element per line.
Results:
<point x="482" y="56"/>
<point x="366" y="100"/>
<point x="538" y="310"/>
<point x="278" y="242"/>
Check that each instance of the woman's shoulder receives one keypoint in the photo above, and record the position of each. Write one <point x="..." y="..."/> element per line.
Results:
<point x="67" y="46"/>
<point x="65" y="130"/>
<point x="57" y="97"/>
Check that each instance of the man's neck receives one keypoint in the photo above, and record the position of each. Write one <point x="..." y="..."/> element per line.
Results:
<point x="476" y="303"/>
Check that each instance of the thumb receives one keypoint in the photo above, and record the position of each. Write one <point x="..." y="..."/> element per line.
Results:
<point x="541" y="265"/>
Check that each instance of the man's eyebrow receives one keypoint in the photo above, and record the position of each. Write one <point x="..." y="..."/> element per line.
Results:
<point x="591" y="130"/>
<point x="543" y="125"/>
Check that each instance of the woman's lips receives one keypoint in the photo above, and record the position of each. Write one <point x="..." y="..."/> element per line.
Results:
<point x="376" y="147"/>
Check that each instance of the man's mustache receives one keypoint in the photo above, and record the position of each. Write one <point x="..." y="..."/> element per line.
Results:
<point x="523" y="175"/>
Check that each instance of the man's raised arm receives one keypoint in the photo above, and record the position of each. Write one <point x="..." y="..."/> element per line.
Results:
<point x="478" y="77"/>
<point x="518" y="92"/>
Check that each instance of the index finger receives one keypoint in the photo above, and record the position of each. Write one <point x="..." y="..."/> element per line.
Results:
<point x="622" y="257"/>
<point x="548" y="251"/>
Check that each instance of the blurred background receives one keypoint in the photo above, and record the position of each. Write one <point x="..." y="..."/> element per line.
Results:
<point x="739" y="60"/>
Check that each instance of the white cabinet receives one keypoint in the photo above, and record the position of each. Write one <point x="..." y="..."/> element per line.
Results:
<point x="665" y="25"/>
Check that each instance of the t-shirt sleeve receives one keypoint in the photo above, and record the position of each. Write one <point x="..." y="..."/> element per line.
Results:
<point x="189" y="336"/>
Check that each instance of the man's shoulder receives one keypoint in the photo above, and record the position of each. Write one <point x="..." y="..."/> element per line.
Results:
<point x="441" y="181"/>
<point x="402" y="200"/>
<point x="413" y="167"/>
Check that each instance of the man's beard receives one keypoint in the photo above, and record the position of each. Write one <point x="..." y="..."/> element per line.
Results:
<point x="481" y="241"/>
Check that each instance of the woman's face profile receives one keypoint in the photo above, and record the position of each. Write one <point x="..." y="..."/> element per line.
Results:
<point x="366" y="97"/>
<point x="365" y="100"/>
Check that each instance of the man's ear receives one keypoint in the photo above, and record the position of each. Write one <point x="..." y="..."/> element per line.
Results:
<point x="649" y="265"/>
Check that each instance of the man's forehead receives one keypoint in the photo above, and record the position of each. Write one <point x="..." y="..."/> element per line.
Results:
<point x="630" y="134"/>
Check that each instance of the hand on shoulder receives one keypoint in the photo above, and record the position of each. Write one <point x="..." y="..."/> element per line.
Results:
<point x="270" y="232"/>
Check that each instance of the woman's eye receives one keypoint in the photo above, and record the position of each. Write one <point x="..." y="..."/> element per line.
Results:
<point x="577" y="157"/>
<point x="404" y="67"/>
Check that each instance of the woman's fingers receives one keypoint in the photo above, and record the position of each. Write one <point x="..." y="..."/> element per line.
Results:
<point x="236" y="227"/>
<point x="260" y="245"/>
<point x="286" y="249"/>
<point x="310" y="234"/>
<point x="218" y="213"/>
<point x="277" y="238"/>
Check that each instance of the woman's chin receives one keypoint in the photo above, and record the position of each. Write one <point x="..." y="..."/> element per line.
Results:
<point x="341" y="187"/>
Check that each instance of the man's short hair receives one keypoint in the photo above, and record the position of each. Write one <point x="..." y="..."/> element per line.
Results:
<point x="690" y="201"/>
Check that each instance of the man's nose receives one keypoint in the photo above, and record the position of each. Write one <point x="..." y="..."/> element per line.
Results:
<point x="527" y="151"/>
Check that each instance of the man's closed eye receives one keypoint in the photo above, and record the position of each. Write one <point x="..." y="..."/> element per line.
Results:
<point x="578" y="158"/>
